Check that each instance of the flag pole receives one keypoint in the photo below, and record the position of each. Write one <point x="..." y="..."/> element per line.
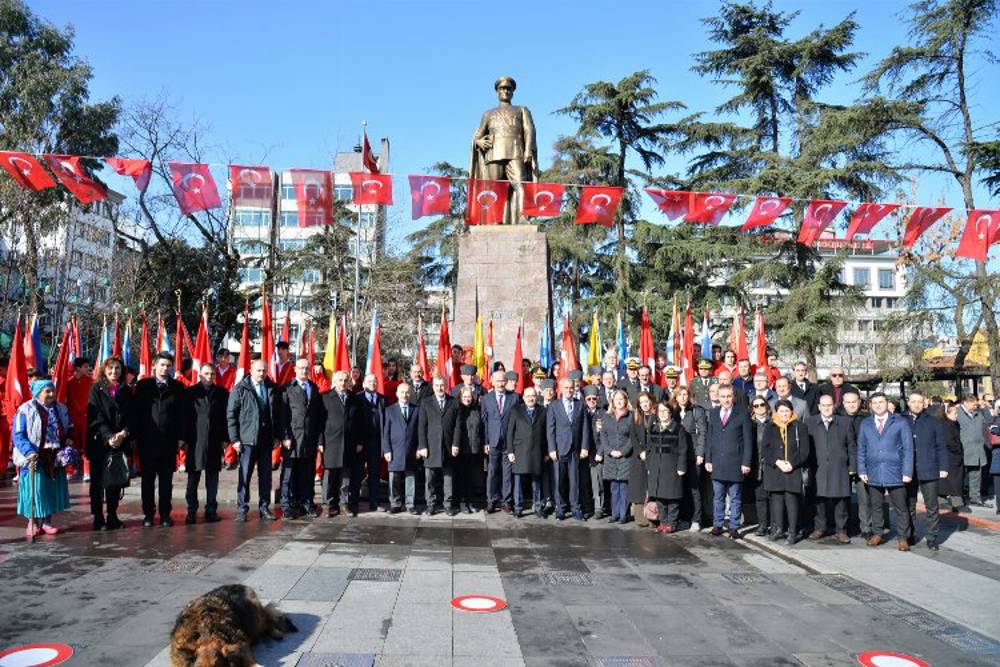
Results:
<point x="357" y="259"/>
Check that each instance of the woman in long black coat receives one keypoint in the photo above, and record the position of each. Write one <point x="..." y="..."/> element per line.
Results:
<point x="666" y="455"/>
<point x="637" y="465"/>
<point x="694" y="420"/>
<point x="786" y="450"/>
<point x="951" y="486"/>
<point x="468" y="440"/>
<point x="206" y="437"/>
<point x="760" y="417"/>
<point x="621" y="438"/>
<point x="107" y="431"/>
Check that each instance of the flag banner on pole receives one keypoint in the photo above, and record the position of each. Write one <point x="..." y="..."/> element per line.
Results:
<point x="430" y="195"/>
<point x="140" y="170"/>
<point x="69" y="172"/>
<point x="251" y="186"/>
<point x="371" y="189"/>
<point x="367" y="157"/>
<point x="194" y="187"/>
<point x="866" y="217"/>
<point x="598" y="204"/>
<point x="26" y="171"/>
<point x="542" y="200"/>
<point x="673" y="203"/>
<point x="920" y="221"/>
<point x="765" y="211"/>
<point x="709" y="207"/>
<point x="486" y="202"/>
<point x="819" y="214"/>
<point x="313" y="196"/>
<point x="982" y="230"/>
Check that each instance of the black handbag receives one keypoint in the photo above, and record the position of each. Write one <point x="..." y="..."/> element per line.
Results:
<point x="116" y="473"/>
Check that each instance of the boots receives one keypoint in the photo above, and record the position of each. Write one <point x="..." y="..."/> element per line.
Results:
<point x="639" y="516"/>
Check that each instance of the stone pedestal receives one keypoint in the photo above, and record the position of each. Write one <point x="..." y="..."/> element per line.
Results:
<point x="507" y="268"/>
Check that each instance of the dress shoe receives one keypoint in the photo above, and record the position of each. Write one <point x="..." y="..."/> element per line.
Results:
<point x="875" y="540"/>
<point x="395" y="510"/>
<point x="977" y="503"/>
<point x="147" y="522"/>
<point x="267" y="515"/>
<point x="761" y="531"/>
<point x="518" y="513"/>
<point x="212" y="517"/>
<point x="314" y="512"/>
<point x="467" y="508"/>
<point x="791" y="540"/>
<point x="430" y="511"/>
<point x="816" y="535"/>
<point x="964" y="509"/>
<point x="599" y="514"/>
<point x="508" y="509"/>
<point x="579" y="516"/>
<point x="241" y="517"/>
<point x="932" y="544"/>
<point x="734" y="534"/>
<point x="560" y="516"/>
<point x="453" y="511"/>
<point x="842" y="538"/>
<point x="352" y="510"/>
<point x="903" y="545"/>
<point x="99" y="522"/>
<point x="332" y="512"/>
<point x="695" y="527"/>
<point x="166" y="521"/>
<point x="190" y="518"/>
<point x="490" y="508"/>
<point x="866" y="535"/>
<point x="113" y="523"/>
<point x="613" y="519"/>
<point x="716" y="531"/>
<point x="414" y="511"/>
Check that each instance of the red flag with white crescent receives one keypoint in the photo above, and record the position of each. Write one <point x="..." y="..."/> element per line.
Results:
<point x="819" y="214"/>
<point x="443" y="363"/>
<point x="486" y="201"/>
<point x="920" y="221"/>
<point x="567" y="357"/>
<point x="673" y="203"/>
<point x="69" y="172"/>
<point x="202" y="346"/>
<point x="16" y="389"/>
<point x="267" y="349"/>
<point x="866" y="217"/>
<point x="145" y="354"/>
<point x="688" y="343"/>
<point x="368" y="158"/>
<point x="251" y="186"/>
<point x="982" y="230"/>
<point x="598" y="204"/>
<point x="194" y="187"/>
<point x="140" y="170"/>
<point x="63" y="371"/>
<point x="542" y="200"/>
<point x="709" y="207"/>
<point x="246" y="350"/>
<point x="26" y="170"/>
<point x="765" y="211"/>
<point x="342" y="360"/>
<point x="430" y="195"/>
<point x="374" y="188"/>
<point x="647" y="350"/>
<point x="518" y="364"/>
<point x="760" y="338"/>
<point x="313" y="196"/>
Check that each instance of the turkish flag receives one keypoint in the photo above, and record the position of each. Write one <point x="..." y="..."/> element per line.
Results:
<point x="194" y="187"/>
<point x="430" y="195"/>
<point x="69" y="172"/>
<point x="819" y="214"/>
<point x="567" y="357"/>
<point x="673" y="203"/>
<point x="709" y="207"/>
<point x="982" y="229"/>
<point x="866" y="217"/>
<point x="920" y="221"/>
<point x="251" y="186"/>
<point x="367" y="158"/>
<point x="313" y="196"/>
<point x="486" y="201"/>
<point x="140" y="170"/>
<point x="373" y="188"/>
<point x="765" y="211"/>
<point x="598" y="203"/>
<point x="543" y="200"/>
<point x="26" y="170"/>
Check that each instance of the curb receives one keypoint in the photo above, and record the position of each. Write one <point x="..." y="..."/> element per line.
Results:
<point x="978" y="522"/>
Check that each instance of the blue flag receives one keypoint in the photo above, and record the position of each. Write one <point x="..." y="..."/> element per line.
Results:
<point x="622" y="344"/>
<point x="545" y="359"/>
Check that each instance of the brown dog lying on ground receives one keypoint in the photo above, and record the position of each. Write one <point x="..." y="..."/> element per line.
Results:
<point x="218" y="628"/>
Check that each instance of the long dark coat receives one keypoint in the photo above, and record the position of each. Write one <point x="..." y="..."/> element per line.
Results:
<point x="637" y="467"/>
<point x="468" y="430"/>
<point x="952" y="485"/>
<point x="729" y="446"/>
<point x="340" y="439"/>
<point x="399" y="436"/>
<point x="666" y="456"/>
<point x="695" y="422"/>
<point x="624" y="435"/>
<point x="798" y="455"/>
<point x="437" y="428"/>
<point x="207" y="433"/>
<point x="105" y="417"/>
<point x="527" y="439"/>
<point x="303" y="419"/>
<point x="835" y="455"/>
<point x="157" y="421"/>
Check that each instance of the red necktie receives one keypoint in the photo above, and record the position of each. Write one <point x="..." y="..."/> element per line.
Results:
<point x="725" y="417"/>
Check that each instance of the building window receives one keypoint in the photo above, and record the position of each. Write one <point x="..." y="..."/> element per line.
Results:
<point x="343" y="192"/>
<point x="886" y="279"/>
<point x="251" y="275"/>
<point x="289" y="218"/>
<point x="862" y="279"/>
<point x="312" y="276"/>
<point x="287" y="191"/>
<point x="288" y="245"/>
<point x="251" y="218"/>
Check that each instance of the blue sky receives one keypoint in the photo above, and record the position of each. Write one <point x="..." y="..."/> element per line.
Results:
<point x="288" y="84"/>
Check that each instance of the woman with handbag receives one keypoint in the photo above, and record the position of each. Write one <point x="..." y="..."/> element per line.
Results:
<point x="620" y="436"/>
<point x="786" y="450"/>
<point x="109" y="442"/>
<point x="645" y="415"/>
<point x="42" y="450"/>
<point x="666" y="457"/>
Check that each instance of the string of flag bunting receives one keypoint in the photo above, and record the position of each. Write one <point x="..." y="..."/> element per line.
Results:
<point x="195" y="190"/>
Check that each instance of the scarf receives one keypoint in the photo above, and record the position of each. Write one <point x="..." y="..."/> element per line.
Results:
<point x="783" y="430"/>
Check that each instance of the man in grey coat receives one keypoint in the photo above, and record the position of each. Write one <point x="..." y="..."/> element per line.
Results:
<point x="972" y="424"/>
<point x="254" y="418"/>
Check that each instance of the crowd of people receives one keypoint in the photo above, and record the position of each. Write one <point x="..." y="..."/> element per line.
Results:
<point x="625" y="442"/>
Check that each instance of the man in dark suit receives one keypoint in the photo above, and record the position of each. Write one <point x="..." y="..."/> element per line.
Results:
<point x="930" y="463"/>
<point x="435" y="432"/>
<point x="157" y="423"/>
<point x="207" y="435"/>
<point x="400" y="441"/>
<point x="371" y="406"/>
<point x="836" y="386"/>
<point x="468" y="380"/>
<point x="803" y="388"/>
<point x="418" y="380"/>
<point x="568" y="436"/>
<point x="836" y="460"/>
<point x="645" y="384"/>
<point x="342" y="447"/>
<point x="254" y="417"/>
<point x="495" y="407"/>
<point x="740" y="398"/>
<point x="526" y="448"/>
<point x="607" y="389"/>
<point x="303" y="421"/>
<point x="728" y="455"/>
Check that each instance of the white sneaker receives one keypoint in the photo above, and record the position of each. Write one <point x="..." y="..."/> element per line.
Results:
<point x="695" y="526"/>
<point x="182" y="469"/>
<point x="86" y="478"/>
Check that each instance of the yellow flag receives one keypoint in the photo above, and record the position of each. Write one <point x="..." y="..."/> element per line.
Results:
<point x="479" y="348"/>
<point x="594" y="356"/>
<point x="330" y="355"/>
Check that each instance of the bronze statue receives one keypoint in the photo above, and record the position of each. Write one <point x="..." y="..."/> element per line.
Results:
<point x="503" y="147"/>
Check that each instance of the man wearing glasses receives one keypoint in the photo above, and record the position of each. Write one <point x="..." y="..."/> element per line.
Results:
<point x="836" y="386"/>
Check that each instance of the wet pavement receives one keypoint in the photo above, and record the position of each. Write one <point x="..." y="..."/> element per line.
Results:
<point x="376" y="590"/>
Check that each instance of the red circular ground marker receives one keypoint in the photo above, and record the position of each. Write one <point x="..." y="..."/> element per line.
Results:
<point x="476" y="603"/>
<point x="889" y="659"/>
<point x="36" y="655"/>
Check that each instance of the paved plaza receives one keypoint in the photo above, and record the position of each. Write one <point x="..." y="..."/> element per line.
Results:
<point x="376" y="590"/>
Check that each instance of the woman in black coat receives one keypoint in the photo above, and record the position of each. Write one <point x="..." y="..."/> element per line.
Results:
<point x="468" y="440"/>
<point x="207" y="433"/>
<point x="786" y="450"/>
<point x="637" y="465"/>
<point x="694" y="420"/>
<point x="621" y="437"/>
<point x="666" y="457"/>
<point x="107" y="432"/>
<point x="951" y="486"/>
<point x="760" y="417"/>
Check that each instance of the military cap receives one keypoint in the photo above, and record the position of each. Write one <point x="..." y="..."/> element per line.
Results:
<point x="539" y="373"/>
<point x="594" y="370"/>
<point x="705" y="364"/>
<point x="468" y="369"/>
<point x="672" y="372"/>
<point x="575" y="375"/>
<point x="505" y="79"/>
<point x="591" y="390"/>
<point x="548" y="383"/>
<point x="632" y="363"/>
<point x="511" y="375"/>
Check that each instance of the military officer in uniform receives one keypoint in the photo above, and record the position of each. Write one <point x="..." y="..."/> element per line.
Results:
<point x="701" y="382"/>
